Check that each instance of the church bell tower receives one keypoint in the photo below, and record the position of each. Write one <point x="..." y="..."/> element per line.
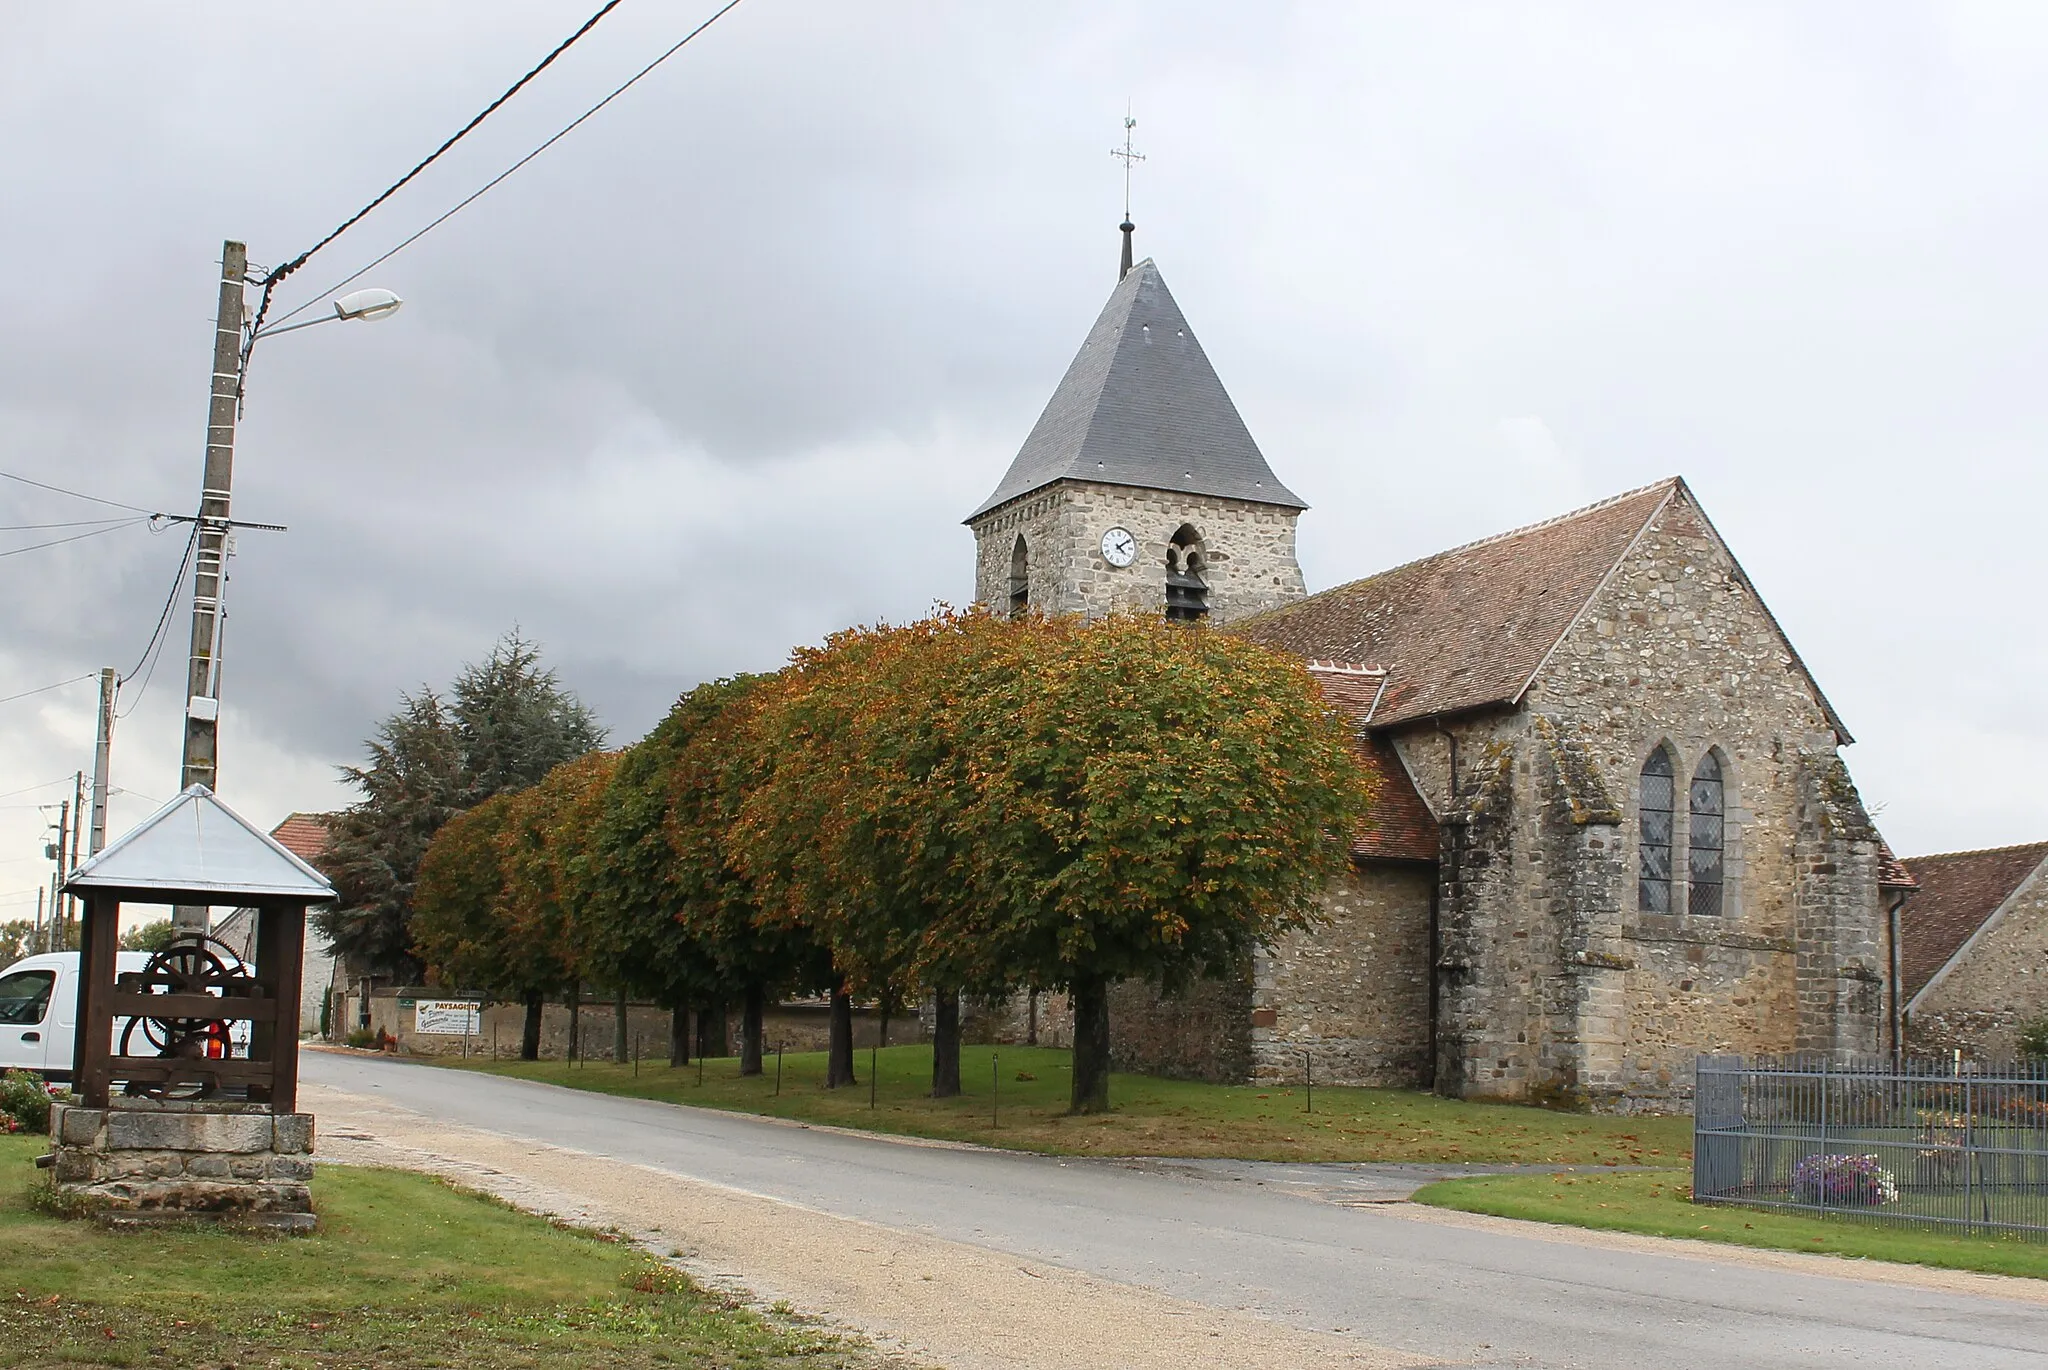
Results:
<point x="1139" y="488"/>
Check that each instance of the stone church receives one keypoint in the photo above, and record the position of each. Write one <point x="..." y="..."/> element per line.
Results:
<point x="1613" y="825"/>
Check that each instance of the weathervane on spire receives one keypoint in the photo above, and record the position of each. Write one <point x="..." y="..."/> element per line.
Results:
<point x="1130" y="158"/>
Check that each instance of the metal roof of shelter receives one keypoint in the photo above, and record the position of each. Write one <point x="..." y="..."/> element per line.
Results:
<point x="196" y="846"/>
<point x="1140" y="405"/>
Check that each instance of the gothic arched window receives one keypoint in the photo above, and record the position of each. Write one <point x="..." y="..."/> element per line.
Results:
<point x="1705" y="837"/>
<point x="1020" y="579"/>
<point x="1653" y="844"/>
<point x="1187" y="593"/>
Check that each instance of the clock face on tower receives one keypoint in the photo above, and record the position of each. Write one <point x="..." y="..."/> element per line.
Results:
<point x="1119" y="548"/>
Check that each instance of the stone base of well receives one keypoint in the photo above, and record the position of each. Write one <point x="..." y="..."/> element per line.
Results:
<point x="143" y="1161"/>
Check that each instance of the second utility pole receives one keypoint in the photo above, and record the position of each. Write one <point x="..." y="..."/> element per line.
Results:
<point x="209" y="568"/>
<point x="96" y="831"/>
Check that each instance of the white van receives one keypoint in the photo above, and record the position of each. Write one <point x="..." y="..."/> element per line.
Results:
<point x="39" y="1010"/>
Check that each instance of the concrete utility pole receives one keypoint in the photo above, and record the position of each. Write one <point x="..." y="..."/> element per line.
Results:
<point x="77" y="830"/>
<point x="101" y="754"/>
<point x="209" y="571"/>
<point x="55" y="851"/>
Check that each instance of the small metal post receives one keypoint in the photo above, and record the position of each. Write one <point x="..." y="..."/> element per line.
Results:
<point x="778" y="1070"/>
<point x="995" y="1107"/>
<point x="1308" y="1067"/>
<point x="636" y="1055"/>
<point x="494" y="1041"/>
<point x="874" y="1055"/>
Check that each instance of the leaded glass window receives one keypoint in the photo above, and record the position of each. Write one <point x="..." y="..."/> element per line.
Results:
<point x="1653" y="882"/>
<point x="1705" y="839"/>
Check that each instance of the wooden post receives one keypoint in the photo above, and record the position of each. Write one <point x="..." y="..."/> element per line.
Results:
<point x="280" y="947"/>
<point x="99" y="939"/>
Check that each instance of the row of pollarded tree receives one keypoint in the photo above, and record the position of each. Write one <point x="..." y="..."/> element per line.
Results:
<point x="964" y="804"/>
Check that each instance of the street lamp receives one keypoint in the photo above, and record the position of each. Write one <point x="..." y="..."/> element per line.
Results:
<point x="366" y="305"/>
<point x="230" y="358"/>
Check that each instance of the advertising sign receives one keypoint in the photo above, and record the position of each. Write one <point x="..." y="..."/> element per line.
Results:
<point x="449" y="1017"/>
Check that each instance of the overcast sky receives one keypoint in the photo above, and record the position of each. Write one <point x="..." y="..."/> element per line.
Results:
<point x="723" y="370"/>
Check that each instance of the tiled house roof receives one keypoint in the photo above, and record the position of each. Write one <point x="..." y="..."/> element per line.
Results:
<point x="1891" y="872"/>
<point x="1958" y="891"/>
<point x="1400" y="826"/>
<point x="1140" y="405"/>
<point x="1467" y="627"/>
<point x="304" y="835"/>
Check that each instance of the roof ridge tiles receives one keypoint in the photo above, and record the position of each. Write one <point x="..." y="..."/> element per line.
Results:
<point x="1976" y="851"/>
<point x="1668" y="482"/>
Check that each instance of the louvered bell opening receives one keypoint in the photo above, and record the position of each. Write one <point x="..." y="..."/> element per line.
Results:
<point x="1187" y="598"/>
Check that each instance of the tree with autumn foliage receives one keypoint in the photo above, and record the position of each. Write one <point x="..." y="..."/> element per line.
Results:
<point x="844" y="826"/>
<point x="716" y="902"/>
<point x="1137" y="799"/>
<point x="503" y="888"/>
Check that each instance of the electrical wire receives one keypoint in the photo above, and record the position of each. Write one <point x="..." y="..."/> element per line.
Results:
<point x="156" y="638"/>
<point x="60" y="490"/>
<point x="73" y="523"/>
<point x="273" y="278"/>
<point x="30" y="789"/>
<point x="75" y="537"/>
<point x="501" y="176"/>
<point x="44" y="689"/>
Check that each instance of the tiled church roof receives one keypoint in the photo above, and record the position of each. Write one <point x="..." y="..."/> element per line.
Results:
<point x="1140" y="405"/>
<point x="1400" y="826"/>
<point x="1958" y="891"/>
<point x="1467" y="627"/>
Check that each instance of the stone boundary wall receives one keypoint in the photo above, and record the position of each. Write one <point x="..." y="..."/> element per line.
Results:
<point x="794" y="1027"/>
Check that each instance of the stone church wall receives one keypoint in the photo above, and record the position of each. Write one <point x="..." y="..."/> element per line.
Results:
<point x="1249" y="549"/>
<point x="1352" y="996"/>
<point x="1678" y="650"/>
<point x="1996" y="983"/>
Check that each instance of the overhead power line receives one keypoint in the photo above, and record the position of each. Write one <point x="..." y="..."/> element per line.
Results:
<point x="491" y="184"/>
<point x="43" y="689"/>
<point x="152" y="651"/>
<point x="30" y="789"/>
<point x="270" y="281"/>
<point x="59" y="542"/>
<point x="60" y="490"/>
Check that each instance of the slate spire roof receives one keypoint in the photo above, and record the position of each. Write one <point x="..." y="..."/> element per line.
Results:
<point x="1140" y="405"/>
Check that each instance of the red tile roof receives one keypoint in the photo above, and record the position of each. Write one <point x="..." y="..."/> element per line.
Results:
<point x="1891" y="872"/>
<point x="304" y="835"/>
<point x="1400" y="826"/>
<point x="1958" y="891"/>
<point x="1467" y="627"/>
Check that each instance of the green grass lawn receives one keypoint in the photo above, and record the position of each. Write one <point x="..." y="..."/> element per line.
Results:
<point x="404" y="1272"/>
<point x="1017" y="1097"/>
<point x="1659" y="1204"/>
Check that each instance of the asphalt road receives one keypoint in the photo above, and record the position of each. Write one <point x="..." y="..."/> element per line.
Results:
<point x="1301" y="1245"/>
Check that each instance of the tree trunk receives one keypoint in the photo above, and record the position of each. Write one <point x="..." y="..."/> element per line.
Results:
<point x="529" y="1034"/>
<point x="619" y="1042"/>
<point x="679" y="1035"/>
<point x="1091" y="1046"/>
<point x="1031" y="1023"/>
<point x="839" y="1042"/>
<point x="711" y="1030"/>
<point x="575" y="1020"/>
<point x="946" y="1044"/>
<point x="750" y="1030"/>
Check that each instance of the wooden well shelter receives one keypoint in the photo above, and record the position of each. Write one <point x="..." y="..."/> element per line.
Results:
<point x="173" y="1039"/>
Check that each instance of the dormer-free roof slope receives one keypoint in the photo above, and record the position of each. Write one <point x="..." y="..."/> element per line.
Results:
<point x="1959" y="891"/>
<point x="1140" y="405"/>
<point x="1467" y="627"/>
<point x="1470" y="627"/>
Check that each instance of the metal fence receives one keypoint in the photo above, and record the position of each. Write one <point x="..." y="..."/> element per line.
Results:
<point x="1921" y="1143"/>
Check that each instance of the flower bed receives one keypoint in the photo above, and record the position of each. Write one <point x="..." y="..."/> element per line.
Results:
<point x="1843" y="1181"/>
